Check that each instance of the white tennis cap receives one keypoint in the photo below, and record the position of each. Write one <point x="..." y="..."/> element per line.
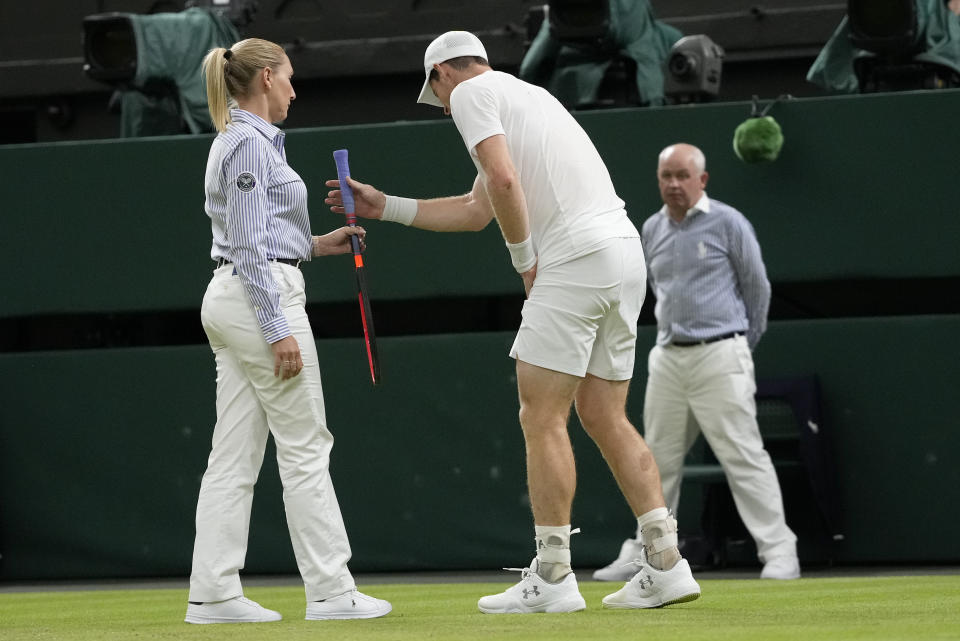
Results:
<point x="452" y="44"/>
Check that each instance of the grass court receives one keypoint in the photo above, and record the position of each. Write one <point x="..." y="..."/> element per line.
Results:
<point x="908" y="608"/>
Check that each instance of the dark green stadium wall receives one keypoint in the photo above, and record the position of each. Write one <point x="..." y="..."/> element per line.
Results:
<point x="863" y="188"/>
<point x="102" y="453"/>
<point x="101" y="450"/>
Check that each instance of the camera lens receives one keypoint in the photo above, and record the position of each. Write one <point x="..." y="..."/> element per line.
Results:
<point x="682" y="65"/>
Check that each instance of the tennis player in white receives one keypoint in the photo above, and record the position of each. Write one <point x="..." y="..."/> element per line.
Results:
<point x="583" y="269"/>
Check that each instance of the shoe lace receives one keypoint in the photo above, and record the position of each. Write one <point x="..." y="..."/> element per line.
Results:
<point x="524" y="572"/>
<point x="527" y="571"/>
<point x="639" y="562"/>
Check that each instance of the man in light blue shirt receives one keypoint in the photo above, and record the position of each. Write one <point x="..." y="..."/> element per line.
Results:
<point x="706" y="271"/>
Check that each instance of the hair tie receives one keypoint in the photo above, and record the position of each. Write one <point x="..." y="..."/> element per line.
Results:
<point x="227" y="54"/>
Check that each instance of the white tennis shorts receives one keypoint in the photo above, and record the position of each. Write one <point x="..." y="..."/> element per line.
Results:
<point x="581" y="315"/>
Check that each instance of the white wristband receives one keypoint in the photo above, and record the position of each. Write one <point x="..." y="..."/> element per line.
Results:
<point x="400" y="210"/>
<point x="522" y="256"/>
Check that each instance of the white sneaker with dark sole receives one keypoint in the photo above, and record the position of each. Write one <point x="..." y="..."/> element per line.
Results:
<point x="624" y="566"/>
<point x="653" y="588"/>
<point x="236" y="610"/>
<point x="349" y="605"/>
<point x="533" y="594"/>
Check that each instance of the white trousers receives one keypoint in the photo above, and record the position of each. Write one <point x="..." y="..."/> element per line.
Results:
<point x="252" y="403"/>
<point x="711" y="388"/>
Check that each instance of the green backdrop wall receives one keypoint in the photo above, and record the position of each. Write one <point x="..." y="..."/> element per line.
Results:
<point x="102" y="452"/>
<point x="862" y="189"/>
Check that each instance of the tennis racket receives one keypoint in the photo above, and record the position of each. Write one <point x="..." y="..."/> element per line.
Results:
<point x="366" y="315"/>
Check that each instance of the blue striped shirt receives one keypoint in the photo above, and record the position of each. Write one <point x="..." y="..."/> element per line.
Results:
<point x="258" y="211"/>
<point x="707" y="274"/>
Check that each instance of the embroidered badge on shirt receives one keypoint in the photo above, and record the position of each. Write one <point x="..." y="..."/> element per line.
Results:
<point x="246" y="181"/>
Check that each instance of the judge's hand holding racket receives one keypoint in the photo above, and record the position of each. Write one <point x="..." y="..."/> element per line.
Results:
<point x="338" y="241"/>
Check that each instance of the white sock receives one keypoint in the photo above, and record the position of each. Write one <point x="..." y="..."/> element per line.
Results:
<point x="656" y="514"/>
<point x="553" y="552"/>
<point x="658" y="534"/>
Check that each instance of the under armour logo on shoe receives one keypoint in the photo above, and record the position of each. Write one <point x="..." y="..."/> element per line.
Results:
<point x="645" y="581"/>
<point x="535" y="592"/>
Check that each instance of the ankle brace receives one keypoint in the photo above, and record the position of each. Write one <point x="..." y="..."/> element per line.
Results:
<point x="659" y="537"/>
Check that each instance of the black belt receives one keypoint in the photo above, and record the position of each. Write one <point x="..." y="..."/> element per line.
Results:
<point x="286" y="261"/>
<point x="713" y="339"/>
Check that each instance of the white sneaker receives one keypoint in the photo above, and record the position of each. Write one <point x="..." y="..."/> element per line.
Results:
<point x="349" y="605"/>
<point x="533" y="594"/>
<point x="781" y="567"/>
<point x="236" y="610"/>
<point x="653" y="588"/>
<point x="623" y="567"/>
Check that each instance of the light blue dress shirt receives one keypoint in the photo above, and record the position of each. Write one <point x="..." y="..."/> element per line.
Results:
<point x="707" y="274"/>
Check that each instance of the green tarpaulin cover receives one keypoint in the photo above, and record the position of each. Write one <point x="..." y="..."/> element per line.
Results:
<point x="574" y="75"/>
<point x="171" y="47"/>
<point x="938" y="30"/>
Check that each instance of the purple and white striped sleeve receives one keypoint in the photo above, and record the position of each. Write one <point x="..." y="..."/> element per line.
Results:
<point x="249" y="227"/>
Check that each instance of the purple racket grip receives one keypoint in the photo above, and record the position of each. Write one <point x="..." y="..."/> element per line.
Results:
<point x="346" y="193"/>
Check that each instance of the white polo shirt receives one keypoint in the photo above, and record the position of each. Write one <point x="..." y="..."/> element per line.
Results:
<point x="571" y="202"/>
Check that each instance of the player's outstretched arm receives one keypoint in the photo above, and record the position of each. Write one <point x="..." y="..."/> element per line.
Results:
<point x="470" y="212"/>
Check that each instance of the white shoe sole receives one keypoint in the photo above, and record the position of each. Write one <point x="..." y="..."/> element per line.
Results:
<point x="344" y="616"/>
<point x="566" y="605"/>
<point x="217" y="620"/>
<point x="678" y="596"/>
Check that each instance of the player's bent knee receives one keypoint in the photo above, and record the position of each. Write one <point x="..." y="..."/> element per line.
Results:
<point x="537" y="423"/>
<point x="600" y="422"/>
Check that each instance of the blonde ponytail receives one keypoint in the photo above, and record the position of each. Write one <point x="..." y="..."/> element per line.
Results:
<point x="217" y="95"/>
<point x="229" y="73"/>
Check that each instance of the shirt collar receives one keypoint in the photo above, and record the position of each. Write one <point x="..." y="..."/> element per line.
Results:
<point x="272" y="133"/>
<point x="701" y="206"/>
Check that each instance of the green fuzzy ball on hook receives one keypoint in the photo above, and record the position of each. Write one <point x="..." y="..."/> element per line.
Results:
<point x="758" y="139"/>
